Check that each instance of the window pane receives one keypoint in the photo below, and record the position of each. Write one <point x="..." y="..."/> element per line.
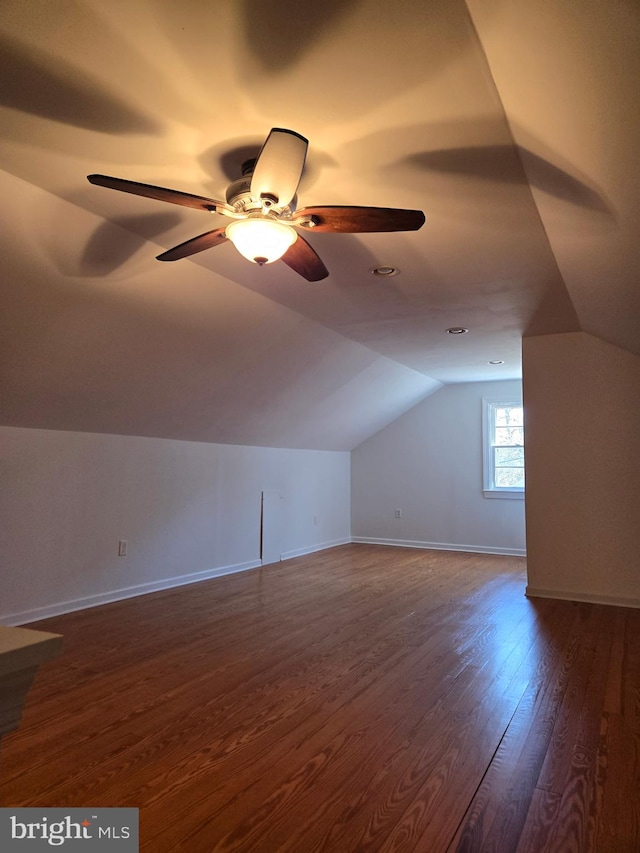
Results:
<point x="509" y="478"/>
<point x="508" y="457"/>
<point x="509" y="435"/>
<point x="509" y="416"/>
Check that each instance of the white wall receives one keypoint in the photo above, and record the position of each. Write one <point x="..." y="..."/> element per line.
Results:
<point x="428" y="463"/>
<point x="188" y="511"/>
<point x="582" y="417"/>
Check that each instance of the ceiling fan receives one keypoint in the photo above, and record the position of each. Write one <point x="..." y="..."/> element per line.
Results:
<point x="262" y="207"/>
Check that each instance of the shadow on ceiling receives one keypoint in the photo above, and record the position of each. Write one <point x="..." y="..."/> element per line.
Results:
<point x="495" y="163"/>
<point x="279" y="32"/>
<point x="492" y="158"/>
<point x="555" y="314"/>
<point x="106" y="251"/>
<point x="111" y="245"/>
<point x="34" y="82"/>
<point x="324" y="62"/>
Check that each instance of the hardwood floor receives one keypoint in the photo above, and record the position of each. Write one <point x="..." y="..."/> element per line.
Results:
<point x="360" y="699"/>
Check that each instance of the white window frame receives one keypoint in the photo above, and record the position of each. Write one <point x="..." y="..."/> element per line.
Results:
<point x="489" y="488"/>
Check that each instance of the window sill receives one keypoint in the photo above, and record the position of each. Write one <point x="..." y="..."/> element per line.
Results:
<point x="504" y="494"/>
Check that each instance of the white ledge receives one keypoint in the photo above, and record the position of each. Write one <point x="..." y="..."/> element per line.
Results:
<point x="21" y="653"/>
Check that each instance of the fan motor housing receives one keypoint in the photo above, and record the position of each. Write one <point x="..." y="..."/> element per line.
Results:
<point x="238" y="196"/>
<point x="238" y="193"/>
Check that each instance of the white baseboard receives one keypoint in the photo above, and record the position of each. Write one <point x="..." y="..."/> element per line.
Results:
<point x="586" y="597"/>
<point x="62" y="607"/>
<point x="300" y="552"/>
<point x="442" y="546"/>
<point x="59" y="608"/>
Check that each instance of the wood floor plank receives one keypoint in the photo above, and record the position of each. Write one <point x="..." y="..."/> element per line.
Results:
<point x="359" y="699"/>
<point x="538" y="831"/>
<point x="497" y="813"/>
<point x="578" y="775"/>
<point x="618" y="827"/>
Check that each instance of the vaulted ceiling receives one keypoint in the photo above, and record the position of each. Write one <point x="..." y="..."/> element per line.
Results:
<point x="513" y="124"/>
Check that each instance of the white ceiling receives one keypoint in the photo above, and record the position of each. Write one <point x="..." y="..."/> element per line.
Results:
<point x="514" y="125"/>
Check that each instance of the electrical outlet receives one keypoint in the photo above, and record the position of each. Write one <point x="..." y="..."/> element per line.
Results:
<point x="122" y="548"/>
<point x="398" y="513"/>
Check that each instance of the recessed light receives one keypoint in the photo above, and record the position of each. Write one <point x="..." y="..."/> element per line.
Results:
<point x="497" y="361"/>
<point x="457" y="330"/>
<point x="384" y="271"/>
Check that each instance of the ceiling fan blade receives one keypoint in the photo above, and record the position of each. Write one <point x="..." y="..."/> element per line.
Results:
<point x="358" y="220"/>
<point x="196" y="244"/>
<point x="303" y="259"/>
<point x="279" y="165"/>
<point x="158" y="193"/>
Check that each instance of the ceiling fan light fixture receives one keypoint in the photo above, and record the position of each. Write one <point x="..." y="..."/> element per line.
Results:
<point x="261" y="241"/>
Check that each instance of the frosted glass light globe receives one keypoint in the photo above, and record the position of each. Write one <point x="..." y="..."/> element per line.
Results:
<point x="261" y="241"/>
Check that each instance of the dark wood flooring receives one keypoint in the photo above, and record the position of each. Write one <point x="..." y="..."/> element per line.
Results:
<point x="360" y="699"/>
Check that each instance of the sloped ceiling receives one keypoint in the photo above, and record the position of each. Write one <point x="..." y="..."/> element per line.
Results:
<point x="512" y="123"/>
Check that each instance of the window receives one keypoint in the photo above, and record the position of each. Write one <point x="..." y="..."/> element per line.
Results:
<point x="503" y="440"/>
